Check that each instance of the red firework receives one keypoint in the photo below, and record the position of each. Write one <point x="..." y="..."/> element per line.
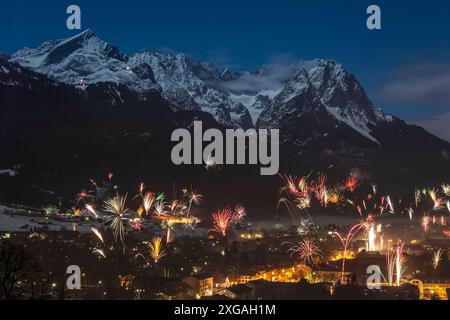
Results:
<point x="222" y="220"/>
<point x="351" y="183"/>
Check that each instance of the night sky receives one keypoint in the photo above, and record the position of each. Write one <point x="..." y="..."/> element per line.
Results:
<point x="405" y="67"/>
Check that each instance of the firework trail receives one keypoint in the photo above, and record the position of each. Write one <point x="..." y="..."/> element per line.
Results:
<point x="395" y="260"/>
<point x="174" y="206"/>
<point x="222" y="220"/>
<point x="374" y="189"/>
<point x="426" y="220"/>
<point x="97" y="233"/>
<point x="410" y="213"/>
<point x="391" y="206"/>
<point x="321" y="190"/>
<point x="371" y="245"/>
<point x="417" y="197"/>
<point x="399" y="263"/>
<point x="437" y="255"/>
<point x="169" y="225"/>
<point x="100" y="252"/>
<point x="156" y="251"/>
<point x="91" y="209"/>
<point x="148" y="201"/>
<point x="300" y="217"/>
<point x="346" y="241"/>
<point x="83" y="194"/>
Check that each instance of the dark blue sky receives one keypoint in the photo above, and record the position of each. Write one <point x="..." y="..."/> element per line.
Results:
<point x="246" y="34"/>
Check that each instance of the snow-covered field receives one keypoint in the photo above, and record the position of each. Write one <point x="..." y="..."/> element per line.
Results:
<point x="17" y="220"/>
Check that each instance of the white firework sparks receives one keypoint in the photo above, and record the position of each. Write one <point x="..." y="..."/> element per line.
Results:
<point x="437" y="255"/>
<point x="307" y="251"/>
<point x="98" y="234"/>
<point x="116" y="206"/>
<point x="100" y="252"/>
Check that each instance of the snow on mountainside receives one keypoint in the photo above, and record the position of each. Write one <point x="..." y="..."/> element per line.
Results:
<point x="185" y="84"/>
<point x="260" y="98"/>
<point x="82" y="59"/>
<point x="344" y="97"/>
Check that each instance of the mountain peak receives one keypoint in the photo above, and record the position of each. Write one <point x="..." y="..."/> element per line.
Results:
<point x="87" y="33"/>
<point x="189" y="84"/>
<point x="84" y="58"/>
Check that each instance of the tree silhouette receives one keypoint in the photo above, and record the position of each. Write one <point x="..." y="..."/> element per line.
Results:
<point x="15" y="265"/>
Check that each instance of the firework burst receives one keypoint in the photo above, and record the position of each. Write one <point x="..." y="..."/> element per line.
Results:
<point x="160" y="208"/>
<point x="346" y="241"/>
<point x="446" y="189"/>
<point x="194" y="198"/>
<point x="322" y="191"/>
<point x="239" y="214"/>
<point x="307" y="251"/>
<point x="147" y="201"/>
<point x="437" y="256"/>
<point x="438" y="203"/>
<point x="156" y="251"/>
<point x="136" y="224"/>
<point x="116" y="206"/>
<point x="351" y="183"/>
<point x="222" y="220"/>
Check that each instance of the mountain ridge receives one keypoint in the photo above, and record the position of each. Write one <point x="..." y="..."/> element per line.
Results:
<point x="336" y="106"/>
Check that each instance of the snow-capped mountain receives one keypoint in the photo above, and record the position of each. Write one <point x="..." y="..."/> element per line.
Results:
<point x="321" y="85"/>
<point x="83" y="60"/>
<point x="273" y="96"/>
<point x="188" y="85"/>
<point x="76" y="107"/>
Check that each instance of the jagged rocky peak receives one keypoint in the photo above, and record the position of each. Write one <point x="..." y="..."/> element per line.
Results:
<point x="190" y="85"/>
<point x="338" y="88"/>
<point x="297" y="98"/>
<point x="84" y="59"/>
<point x="236" y="99"/>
